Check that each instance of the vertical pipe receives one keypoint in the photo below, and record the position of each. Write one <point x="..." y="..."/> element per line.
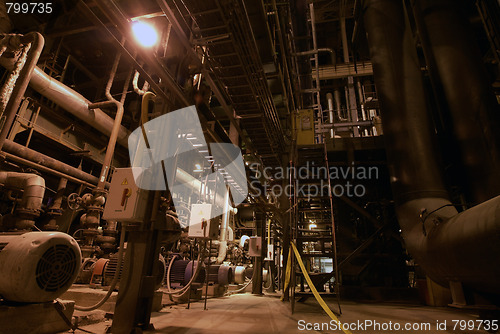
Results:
<point x="55" y="209"/>
<point x="329" y="98"/>
<point x="37" y="42"/>
<point x="472" y="105"/>
<point x="338" y="105"/>
<point x="110" y="150"/>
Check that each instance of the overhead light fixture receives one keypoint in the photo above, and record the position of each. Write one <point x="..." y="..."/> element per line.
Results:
<point x="144" y="33"/>
<point x="198" y="168"/>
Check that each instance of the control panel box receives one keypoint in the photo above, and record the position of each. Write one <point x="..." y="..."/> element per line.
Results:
<point x="255" y="246"/>
<point x="125" y="202"/>
<point x="200" y="224"/>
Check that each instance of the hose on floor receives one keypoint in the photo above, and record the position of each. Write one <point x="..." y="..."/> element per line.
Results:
<point x="180" y="292"/>
<point x="115" y="279"/>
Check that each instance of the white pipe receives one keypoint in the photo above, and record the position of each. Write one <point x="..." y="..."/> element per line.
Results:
<point x="329" y="98"/>
<point x="223" y="229"/>
<point x="243" y="239"/>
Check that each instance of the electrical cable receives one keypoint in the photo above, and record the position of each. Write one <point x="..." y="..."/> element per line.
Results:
<point x="115" y="279"/>
<point x="181" y="291"/>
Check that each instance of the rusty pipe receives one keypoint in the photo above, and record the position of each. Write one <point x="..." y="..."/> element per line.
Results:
<point x="37" y="42"/>
<point x="135" y="81"/>
<point x="72" y="101"/>
<point x="24" y="155"/>
<point x="110" y="150"/>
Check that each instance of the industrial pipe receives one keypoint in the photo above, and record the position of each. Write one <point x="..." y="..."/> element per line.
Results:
<point x="35" y="49"/>
<point x="223" y="229"/>
<point x="338" y="106"/>
<point x="40" y="159"/>
<point x="72" y="101"/>
<point x="471" y="102"/>
<point x="333" y="56"/>
<point x="115" y="130"/>
<point x="33" y="187"/>
<point x="448" y="246"/>
<point x="135" y="81"/>
<point x="329" y="98"/>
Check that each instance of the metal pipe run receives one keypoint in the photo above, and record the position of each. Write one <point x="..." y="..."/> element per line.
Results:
<point x="33" y="187"/>
<point x="73" y="102"/>
<point x="332" y="53"/>
<point x="110" y="150"/>
<point x="329" y="98"/>
<point x="448" y="246"/>
<point x="39" y="159"/>
<point x="474" y="111"/>
<point x="36" y="42"/>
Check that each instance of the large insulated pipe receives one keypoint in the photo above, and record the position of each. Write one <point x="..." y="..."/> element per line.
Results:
<point x="223" y="229"/>
<point x="73" y="102"/>
<point x="33" y="187"/>
<point x="448" y="246"/>
<point x="36" y="43"/>
<point x="474" y="110"/>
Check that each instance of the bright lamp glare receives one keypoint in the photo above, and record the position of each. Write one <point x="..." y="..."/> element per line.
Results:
<point x="144" y="33"/>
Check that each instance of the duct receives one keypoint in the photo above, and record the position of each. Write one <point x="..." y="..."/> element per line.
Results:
<point x="33" y="187"/>
<point x="472" y="105"/>
<point x="448" y="246"/>
<point x="72" y="102"/>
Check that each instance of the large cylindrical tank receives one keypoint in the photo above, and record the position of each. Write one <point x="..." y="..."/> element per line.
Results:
<point x="37" y="267"/>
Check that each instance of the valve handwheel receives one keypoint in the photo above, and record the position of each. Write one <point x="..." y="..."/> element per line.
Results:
<point x="74" y="201"/>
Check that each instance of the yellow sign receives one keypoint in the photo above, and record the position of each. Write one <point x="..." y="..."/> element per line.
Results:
<point x="125" y="182"/>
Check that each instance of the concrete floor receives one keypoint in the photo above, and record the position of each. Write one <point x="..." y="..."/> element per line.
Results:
<point x="267" y="314"/>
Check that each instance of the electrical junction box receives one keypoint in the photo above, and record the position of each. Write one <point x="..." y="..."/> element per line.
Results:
<point x="255" y="246"/>
<point x="125" y="202"/>
<point x="303" y="125"/>
<point x="270" y="253"/>
<point x="200" y="224"/>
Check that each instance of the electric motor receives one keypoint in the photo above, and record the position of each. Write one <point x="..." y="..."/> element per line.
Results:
<point x="37" y="267"/>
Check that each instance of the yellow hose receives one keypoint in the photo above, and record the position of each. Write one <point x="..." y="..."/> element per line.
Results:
<point x="311" y="286"/>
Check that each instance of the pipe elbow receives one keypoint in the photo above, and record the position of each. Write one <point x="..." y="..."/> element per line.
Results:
<point x="34" y="190"/>
<point x="222" y="252"/>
